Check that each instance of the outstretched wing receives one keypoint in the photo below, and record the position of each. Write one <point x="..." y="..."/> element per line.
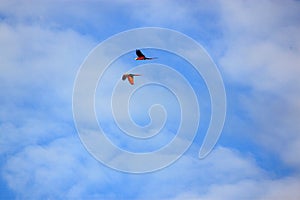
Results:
<point x="139" y="53"/>
<point x="130" y="79"/>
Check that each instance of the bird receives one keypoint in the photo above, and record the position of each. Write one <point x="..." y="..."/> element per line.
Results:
<point x="141" y="56"/>
<point x="129" y="77"/>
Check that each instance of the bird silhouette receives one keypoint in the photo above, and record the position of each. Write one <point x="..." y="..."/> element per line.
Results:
<point x="141" y="56"/>
<point x="129" y="77"/>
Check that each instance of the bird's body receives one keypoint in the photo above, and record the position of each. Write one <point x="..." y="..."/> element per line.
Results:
<point x="129" y="77"/>
<point x="141" y="56"/>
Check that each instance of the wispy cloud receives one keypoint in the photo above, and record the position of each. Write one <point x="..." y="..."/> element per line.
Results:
<point x="263" y="54"/>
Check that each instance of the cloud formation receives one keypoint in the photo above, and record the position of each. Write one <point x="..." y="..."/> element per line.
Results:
<point x="263" y="54"/>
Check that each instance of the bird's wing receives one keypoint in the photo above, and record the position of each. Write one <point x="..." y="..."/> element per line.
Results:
<point x="139" y="53"/>
<point x="130" y="79"/>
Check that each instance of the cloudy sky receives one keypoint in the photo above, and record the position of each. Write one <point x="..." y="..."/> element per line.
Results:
<point x="256" y="47"/>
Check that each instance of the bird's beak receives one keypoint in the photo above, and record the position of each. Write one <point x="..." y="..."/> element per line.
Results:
<point x="135" y="59"/>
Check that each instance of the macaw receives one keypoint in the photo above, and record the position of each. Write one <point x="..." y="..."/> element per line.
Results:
<point x="141" y="56"/>
<point x="129" y="77"/>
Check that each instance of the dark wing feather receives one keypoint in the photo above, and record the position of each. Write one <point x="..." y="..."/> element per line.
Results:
<point x="139" y="53"/>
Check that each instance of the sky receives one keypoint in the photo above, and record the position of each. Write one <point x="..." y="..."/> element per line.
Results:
<point x="255" y="46"/>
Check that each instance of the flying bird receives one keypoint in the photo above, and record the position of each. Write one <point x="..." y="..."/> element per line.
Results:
<point x="141" y="56"/>
<point x="129" y="77"/>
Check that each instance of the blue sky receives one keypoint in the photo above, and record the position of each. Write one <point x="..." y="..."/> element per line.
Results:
<point x="256" y="47"/>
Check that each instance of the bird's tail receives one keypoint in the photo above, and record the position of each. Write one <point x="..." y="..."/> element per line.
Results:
<point x="151" y="58"/>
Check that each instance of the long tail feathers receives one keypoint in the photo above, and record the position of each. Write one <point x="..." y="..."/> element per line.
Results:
<point x="151" y="58"/>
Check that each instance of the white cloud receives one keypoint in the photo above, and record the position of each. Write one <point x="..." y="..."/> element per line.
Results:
<point x="263" y="47"/>
<point x="263" y="55"/>
<point x="62" y="169"/>
<point x="277" y="189"/>
<point x="38" y="67"/>
<point x="37" y="73"/>
<point x="192" y="177"/>
<point x="53" y="171"/>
